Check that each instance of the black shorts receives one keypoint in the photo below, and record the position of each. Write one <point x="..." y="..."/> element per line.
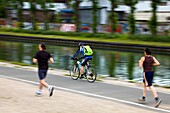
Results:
<point x="84" y="62"/>
<point x="42" y="73"/>
<point x="149" y="77"/>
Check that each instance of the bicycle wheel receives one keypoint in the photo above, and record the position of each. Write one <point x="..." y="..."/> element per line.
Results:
<point x="74" y="72"/>
<point x="91" y="75"/>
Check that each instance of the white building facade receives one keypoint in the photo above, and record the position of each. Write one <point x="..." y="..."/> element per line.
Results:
<point x="143" y="10"/>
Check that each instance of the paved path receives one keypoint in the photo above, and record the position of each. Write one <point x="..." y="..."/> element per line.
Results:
<point x="122" y="94"/>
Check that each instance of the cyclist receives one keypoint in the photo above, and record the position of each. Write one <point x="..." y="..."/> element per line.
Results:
<point x="86" y="53"/>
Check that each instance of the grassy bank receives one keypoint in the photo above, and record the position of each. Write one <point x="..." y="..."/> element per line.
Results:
<point x="100" y="37"/>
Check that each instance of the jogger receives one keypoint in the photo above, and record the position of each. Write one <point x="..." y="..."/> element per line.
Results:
<point x="43" y="58"/>
<point x="147" y="62"/>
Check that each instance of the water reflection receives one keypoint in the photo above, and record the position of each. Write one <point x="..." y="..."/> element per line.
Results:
<point x="121" y="65"/>
<point x="130" y="65"/>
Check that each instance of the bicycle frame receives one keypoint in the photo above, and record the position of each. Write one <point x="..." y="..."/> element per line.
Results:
<point x="90" y="73"/>
<point x="85" y="67"/>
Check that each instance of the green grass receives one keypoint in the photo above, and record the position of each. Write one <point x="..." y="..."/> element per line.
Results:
<point x="66" y="74"/>
<point x="118" y="39"/>
<point x="20" y="64"/>
<point x="168" y="87"/>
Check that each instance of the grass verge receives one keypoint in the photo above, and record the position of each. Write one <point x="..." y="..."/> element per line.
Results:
<point x="119" y="38"/>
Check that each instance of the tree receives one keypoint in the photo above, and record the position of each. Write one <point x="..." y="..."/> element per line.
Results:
<point x="46" y="5"/>
<point x="18" y="5"/>
<point x="153" y="21"/>
<point x="75" y="6"/>
<point x="131" y="18"/>
<point x="58" y="17"/>
<point x="113" y="16"/>
<point x="94" y="13"/>
<point x="3" y="5"/>
<point x="33" y="10"/>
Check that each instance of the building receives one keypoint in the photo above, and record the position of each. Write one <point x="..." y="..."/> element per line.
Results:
<point x="143" y="10"/>
<point x="143" y="14"/>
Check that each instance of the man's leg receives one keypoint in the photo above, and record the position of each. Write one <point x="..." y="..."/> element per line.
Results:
<point x="145" y="84"/>
<point x="82" y="70"/>
<point x="144" y="93"/>
<point x="42" y="76"/>
<point x="144" y="90"/>
<point x="157" y="100"/>
<point x="43" y="83"/>
<point x="153" y="91"/>
<point x="84" y="61"/>
<point x="40" y="86"/>
<point x="155" y="95"/>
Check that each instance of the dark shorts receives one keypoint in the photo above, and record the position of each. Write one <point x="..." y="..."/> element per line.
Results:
<point x="42" y="73"/>
<point x="149" y="77"/>
<point x="84" y="62"/>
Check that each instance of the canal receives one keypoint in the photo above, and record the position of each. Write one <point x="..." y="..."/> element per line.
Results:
<point x="118" y="64"/>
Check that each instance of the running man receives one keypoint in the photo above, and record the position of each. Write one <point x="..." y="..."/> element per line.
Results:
<point x="147" y="62"/>
<point x="43" y="58"/>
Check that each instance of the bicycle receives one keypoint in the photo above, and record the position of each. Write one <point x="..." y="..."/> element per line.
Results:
<point x="90" y="73"/>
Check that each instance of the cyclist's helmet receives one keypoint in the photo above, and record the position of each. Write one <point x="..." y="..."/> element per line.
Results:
<point x="81" y="44"/>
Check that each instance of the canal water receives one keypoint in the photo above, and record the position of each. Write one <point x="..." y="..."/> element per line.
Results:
<point x="117" y="64"/>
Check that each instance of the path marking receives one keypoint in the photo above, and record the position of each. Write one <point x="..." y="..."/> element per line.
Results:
<point x="90" y="94"/>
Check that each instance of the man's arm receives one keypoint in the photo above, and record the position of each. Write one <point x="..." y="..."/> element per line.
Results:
<point x="78" y="51"/>
<point x="34" y="60"/>
<point x="156" y="62"/>
<point x="51" y="60"/>
<point x="141" y="62"/>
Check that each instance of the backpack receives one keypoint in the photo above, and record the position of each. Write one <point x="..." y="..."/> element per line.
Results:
<point x="88" y="50"/>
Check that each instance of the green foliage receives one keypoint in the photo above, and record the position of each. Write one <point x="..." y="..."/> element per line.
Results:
<point x="3" y="5"/>
<point x="130" y="3"/>
<point x="58" y="17"/>
<point x="20" y="25"/>
<point x="148" y="38"/>
<point x="132" y="22"/>
<point x="153" y="21"/>
<point x="20" y="64"/>
<point x="153" y="25"/>
<point x="94" y="12"/>
<point x="18" y="5"/>
<point x="131" y="61"/>
<point x="113" y="18"/>
<point x="33" y="12"/>
<point x="131" y="18"/>
<point x="76" y="18"/>
<point x="45" y="5"/>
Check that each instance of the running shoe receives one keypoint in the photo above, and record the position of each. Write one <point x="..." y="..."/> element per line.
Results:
<point x="158" y="102"/>
<point x="51" y="89"/>
<point x="38" y="93"/>
<point x="81" y="76"/>
<point x="141" y="100"/>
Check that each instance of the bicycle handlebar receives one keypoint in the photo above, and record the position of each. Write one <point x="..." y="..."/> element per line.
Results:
<point x="75" y="59"/>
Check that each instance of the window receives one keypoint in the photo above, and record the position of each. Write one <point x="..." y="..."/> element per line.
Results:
<point x="163" y="4"/>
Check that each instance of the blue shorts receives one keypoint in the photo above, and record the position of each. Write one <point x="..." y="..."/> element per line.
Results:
<point x="149" y="77"/>
<point x="42" y="73"/>
<point x="84" y="61"/>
